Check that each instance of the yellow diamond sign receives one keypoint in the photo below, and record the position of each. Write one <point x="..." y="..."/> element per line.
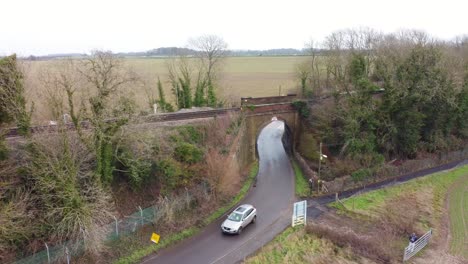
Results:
<point x="155" y="238"/>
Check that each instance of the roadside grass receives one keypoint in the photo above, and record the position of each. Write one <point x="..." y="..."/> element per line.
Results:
<point x="396" y="211"/>
<point x="301" y="185"/>
<point x="369" y="203"/>
<point x="295" y="245"/>
<point x="171" y="239"/>
<point x="243" y="191"/>
<point x="458" y="199"/>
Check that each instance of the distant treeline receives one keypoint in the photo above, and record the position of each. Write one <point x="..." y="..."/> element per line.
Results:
<point x="174" y="51"/>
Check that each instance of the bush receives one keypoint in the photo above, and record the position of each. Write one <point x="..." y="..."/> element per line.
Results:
<point x="191" y="134"/>
<point x="3" y="149"/>
<point x="308" y="147"/>
<point x="136" y="170"/>
<point x="172" y="175"/>
<point x="361" y="174"/>
<point x="302" y="108"/>
<point x="188" y="153"/>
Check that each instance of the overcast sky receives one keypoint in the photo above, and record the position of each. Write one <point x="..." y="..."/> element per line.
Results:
<point x="42" y="27"/>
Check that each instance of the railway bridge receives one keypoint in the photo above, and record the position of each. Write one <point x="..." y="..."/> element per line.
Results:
<point x="259" y="112"/>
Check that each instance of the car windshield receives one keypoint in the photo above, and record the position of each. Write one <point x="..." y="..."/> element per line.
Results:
<point x="236" y="217"/>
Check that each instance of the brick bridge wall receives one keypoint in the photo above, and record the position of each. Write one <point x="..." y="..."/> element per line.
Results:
<point x="258" y="117"/>
<point x="267" y="100"/>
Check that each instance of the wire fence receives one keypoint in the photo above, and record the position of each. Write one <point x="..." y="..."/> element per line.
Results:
<point x="165" y="210"/>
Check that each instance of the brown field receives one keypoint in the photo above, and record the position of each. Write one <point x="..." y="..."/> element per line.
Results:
<point x="240" y="77"/>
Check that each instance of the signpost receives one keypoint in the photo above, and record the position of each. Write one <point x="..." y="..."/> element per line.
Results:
<point x="299" y="213"/>
<point x="155" y="238"/>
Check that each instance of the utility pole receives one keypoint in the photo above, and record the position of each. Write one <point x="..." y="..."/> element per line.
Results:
<point x="320" y="163"/>
<point x="321" y="156"/>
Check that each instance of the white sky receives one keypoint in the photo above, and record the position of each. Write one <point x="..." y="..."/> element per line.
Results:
<point x="42" y="27"/>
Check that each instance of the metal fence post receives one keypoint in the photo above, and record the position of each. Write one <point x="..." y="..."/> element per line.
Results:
<point x="48" y="254"/>
<point x="116" y="225"/>
<point x="84" y="239"/>
<point x="141" y="214"/>
<point x="68" y="255"/>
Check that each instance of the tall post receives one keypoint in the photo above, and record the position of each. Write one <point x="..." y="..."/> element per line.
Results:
<point x="141" y="214"/>
<point x="116" y="226"/>
<point x="48" y="254"/>
<point x="320" y="164"/>
<point x="68" y="255"/>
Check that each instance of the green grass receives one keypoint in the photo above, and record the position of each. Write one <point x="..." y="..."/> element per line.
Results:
<point x="138" y="254"/>
<point x="459" y="217"/>
<point x="302" y="187"/>
<point x="440" y="182"/>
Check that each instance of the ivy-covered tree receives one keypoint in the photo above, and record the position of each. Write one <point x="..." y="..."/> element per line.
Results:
<point x="360" y="116"/>
<point x="12" y="99"/>
<point x="165" y="106"/>
<point x="102" y="72"/>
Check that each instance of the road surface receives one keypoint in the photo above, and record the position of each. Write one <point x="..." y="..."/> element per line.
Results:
<point x="273" y="197"/>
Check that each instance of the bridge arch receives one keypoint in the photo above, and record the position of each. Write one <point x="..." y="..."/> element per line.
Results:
<point x="255" y="123"/>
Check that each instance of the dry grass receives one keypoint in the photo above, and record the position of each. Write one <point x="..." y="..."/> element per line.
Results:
<point x="376" y="225"/>
<point x="296" y="245"/>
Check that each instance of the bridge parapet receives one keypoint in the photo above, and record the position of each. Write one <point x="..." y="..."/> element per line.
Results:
<point x="267" y="108"/>
<point x="267" y="100"/>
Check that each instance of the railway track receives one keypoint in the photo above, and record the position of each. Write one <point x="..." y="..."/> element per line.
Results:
<point x="14" y="132"/>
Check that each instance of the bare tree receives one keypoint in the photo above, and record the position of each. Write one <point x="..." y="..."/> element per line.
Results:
<point x="312" y="48"/>
<point x="303" y="71"/>
<point x="337" y="61"/>
<point x="211" y="50"/>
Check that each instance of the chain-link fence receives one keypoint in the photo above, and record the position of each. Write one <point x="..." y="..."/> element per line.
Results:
<point x="165" y="210"/>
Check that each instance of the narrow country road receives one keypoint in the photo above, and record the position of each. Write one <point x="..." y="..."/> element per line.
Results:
<point x="273" y="197"/>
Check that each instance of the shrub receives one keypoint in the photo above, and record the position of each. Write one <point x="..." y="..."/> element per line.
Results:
<point x="69" y="198"/>
<point x="191" y="134"/>
<point x="3" y="149"/>
<point x="361" y="174"/>
<point x="308" y="147"/>
<point x="171" y="175"/>
<point x="188" y="153"/>
<point x="302" y="108"/>
<point x="136" y="170"/>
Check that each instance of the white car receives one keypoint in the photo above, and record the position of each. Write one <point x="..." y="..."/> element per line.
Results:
<point x="239" y="219"/>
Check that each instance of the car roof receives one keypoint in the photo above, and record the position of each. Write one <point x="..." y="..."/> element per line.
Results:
<point x="243" y="208"/>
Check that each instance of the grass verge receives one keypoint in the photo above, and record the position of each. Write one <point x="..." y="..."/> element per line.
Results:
<point x="458" y="200"/>
<point x="439" y="182"/>
<point x="243" y="191"/>
<point x="139" y="254"/>
<point x="172" y="239"/>
<point x="295" y="245"/>
<point x="301" y="185"/>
